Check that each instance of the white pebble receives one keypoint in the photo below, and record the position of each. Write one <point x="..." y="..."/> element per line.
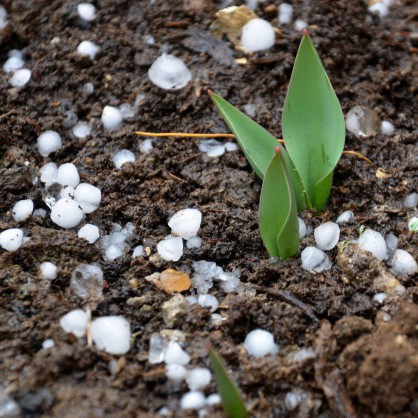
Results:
<point x="49" y="343"/>
<point x="66" y="213"/>
<point x="257" y="35"/>
<point x="185" y="223"/>
<point x="88" y="48"/>
<point x="302" y="228"/>
<point x="111" y="334"/>
<point x="48" y="142"/>
<point x="379" y="8"/>
<point x="380" y="297"/>
<point x="198" y="378"/>
<point x="81" y="130"/>
<point x="22" y="210"/>
<point x="387" y="128"/>
<point x="193" y="400"/>
<point x="87" y="280"/>
<point x="413" y="224"/>
<point x="285" y="13"/>
<point x="169" y="73"/>
<point x="315" y="259"/>
<point x="48" y="173"/>
<point x="75" y="322"/>
<point x="170" y="249"/>
<point x="259" y="343"/>
<point x="404" y="263"/>
<point x="345" y="217"/>
<point x="68" y="175"/>
<point x="411" y="200"/>
<point x="175" y="372"/>
<point x="138" y="251"/>
<point x="208" y="301"/>
<point x="11" y="239"/>
<point x="49" y="271"/>
<point x="213" y="399"/>
<point x="88" y="197"/>
<point x="373" y="242"/>
<point x="89" y="232"/>
<point x="145" y="147"/>
<point x="300" y="25"/>
<point x="194" y="242"/>
<point x="230" y="146"/>
<point x="111" y="118"/>
<point x="327" y="235"/>
<point x="86" y="11"/>
<point x="13" y="64"/>
<point x="20" y="77"/>
<point x="174" y="354"/>
<point x="122" y="157"/>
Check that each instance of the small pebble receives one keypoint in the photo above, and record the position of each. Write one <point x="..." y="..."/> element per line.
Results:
<point x="66" y="213"/>
<point x="75" y="322"/>
<point x="345" y="217"/>
<point x="122" y="157"/>
<point x="88" y="197"/>
<point x="315" y="259"/>
<point x="68" y="175"/>
<point x="48" y="142"/>
<point x="387" y="128"/>
<point x="170" y="249"/>
<point x="257" y="35"/>
<point x="89" y="232"/>
<point x="22" y="210"/>
<point x="259" y="343"/>
<point x="193" y="400"/>
<point x="404" y="263"/>
<point x="174" y="281"/>
<point x="11" y="239"/>
<point x="373" y="242"/>
<point x="20" y="77"/>
<point x="327" y="235"/>
<point x="111" y="118"/>
<point x="86" y="11"/>
<point x="185" y="223"/>
<point x="49" y="271"/>
<point x="88" y="48"/>
<point x="198" y="378"/>
<point x="111" y="334"/>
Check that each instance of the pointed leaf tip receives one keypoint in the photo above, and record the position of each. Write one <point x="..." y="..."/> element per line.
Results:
<point x="305" y="31"/>
<point x="210" y="92"/>
<point x="277" y="150"/>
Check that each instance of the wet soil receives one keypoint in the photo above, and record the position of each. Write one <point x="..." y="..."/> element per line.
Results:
<point x="365" y="362"/>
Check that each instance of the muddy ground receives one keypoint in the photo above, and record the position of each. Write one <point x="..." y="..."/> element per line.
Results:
<point x="365" y="362"/>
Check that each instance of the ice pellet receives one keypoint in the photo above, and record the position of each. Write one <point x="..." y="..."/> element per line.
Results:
<point x="293" y="399"/>
<point x="86" y="11"/>
<point x="387" y="128"/>
<point x="229" y="282"/>
<point x="379" y="8"/>
<point x="230" y="146"/>
<point x="300" y="24"/>
<point x="391" y="242"/>
<point x="170" y="249"/>
<point x="175" y="372"/>
<point x="345" y="217"/>
<point x="257" y="35"/>
<point x="145" y="147"/>
<point x="411" y="200"/>
<point x="67" y="191"/>
<point x="9" y="408"/>
<point x="138" y="251"/>
<point x="285" y="13"/>
<point x="68" y="175"/>
<point x="208" y="301"/>
<point x="122" y="157"/>
<point x="22" y="210"/>
<point x="11" y="239"/>
<point x="212" y="148"/>
<point x="111" y="118"/>
<point x="327" y="235"/>
<point x="81" y="130"/>
<point x="66" y="213"/>
<point x="75" y="322"/>
<point x="404" y="263"/>
<point x="185" y="223"/>
<point x="169" y="73"/>
<point x="89" y="232"/>
<point x="198" y="378"/>
<point x="157" y="348"/>
<point x="114" y="251"/>
<point x="88" y="48"/>
<point x="13" y="64"/>
<point x="193" y="400"/>
<point x="315" y="259"/>
<point x="20" y="77"/>
<point x="49" y="343"/>
<point x="48" y="270"/>
<point x="362" y="122"/>
<point x="111" y="334"/>
<point x="48" y="142"/>
<point x="194" y="242"/>
<point x="380" y="297"/>
<point x="373" y="242"/>
<point x="88" y="197"/>
<point x="302" y="228"/>
<point x="87" y="280"/>
<point x="48" y="172"/>
<point x="259" y="343"/>
<point x="174" y="354"/>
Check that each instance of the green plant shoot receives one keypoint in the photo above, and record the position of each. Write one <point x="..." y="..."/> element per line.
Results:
<point x="232" y="402"/>
<point x="300" y="175"/>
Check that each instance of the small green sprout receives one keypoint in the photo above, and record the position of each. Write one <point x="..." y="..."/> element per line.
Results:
<point x="361" y="230"/>
<point x="413" y="225"/>
<point x="232" y="402"/>
<point x="300" y="174"/>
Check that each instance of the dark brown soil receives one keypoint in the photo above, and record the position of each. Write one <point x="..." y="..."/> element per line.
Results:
<point x="365" y="365"/>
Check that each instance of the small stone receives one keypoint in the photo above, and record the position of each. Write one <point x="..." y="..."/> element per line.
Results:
<point x="362" y="122"/>
<point x="174" y="307"/>
<point x="174" y="281"/>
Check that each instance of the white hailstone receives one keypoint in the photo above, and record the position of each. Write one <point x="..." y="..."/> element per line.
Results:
<point x="48" y="142"/>
<point x="39" y="212"/>
<point x="208" y="301"/>
<point x="293" y="399"/>
<point x="259" y="343"/>
<point x="411" y="200"/>
<point x="88" y="88"/>
<point x="198" y="378"/>
<point x="380" y="297"/>
<point x="327" y="235"/>
<point x="175" y="372"/>
<point x="89" y="232"/>
<point x="145" y="147"/>
<point x="186" y="223"/>
<point x="48" y="270"/>
<point x="149" y="39"/>
<point x="379" y="8"/>
<point x="387" y="128"/>
<point x="250" y="109"/>
<point x="49" y="343"/>
<point x="15" y="53"/>
<point x="122" y="157"/>
<point x="170" y="249"/>
<point x="315" y="259"/>
<point x="157" y="348"/>
<point x="138" y="251"/>
<point x="193" y="400"/>
<point x="191" y="300"/>
<point x="413" y="224"/>
<point x="3" y="18"/>
<point x="88" y="48"/>
<point x="12" y="64"/>
<point x="86" y="11"/>
<point x="48" y="173"/>
<point x="67" y="191"/>
<point x="111" y="118"/>
<point x="114" y="251"/>
<point x="66" y="213"/>
<point x="75" y="322"/>
<point x="345" y="217"/>
<point x="300" y="25"/>
<point x="302" y="354"/>
<point x="22" y="210"/>
<point x="216" y="319"/>
<point x="112" y="334"/>
<point x="404" y="263"/>
<point x="68" y="175"/>
<point x="257" y="35"/>
<point x="127" y="111"/>
<point x="285" y="13"/>
<point x="81" y="130"/>
<point x="174" y="354"/>
<point x="362" y="121"/>
<point x="302" y="228"/>
<point x="88" y="197"/>
<point x="213" y="399"/>
<point x="212" y="148"/>
<point x="194" y="242"/>
<point x="230" y="146"/>
<point x="169" y="73"/>
<point x="391" y="242"/>
<point x="230" y="282"/>
<point x="373" y="242"/>
<point x="20" y="77"/>
<point x="11" y="239"/>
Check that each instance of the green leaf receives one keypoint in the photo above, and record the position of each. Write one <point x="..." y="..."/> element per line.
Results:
<point x="257" y="145"/>
<point x="232" y="402"/>
<point x="279" y="226"/>
<point x="313" y="124"/>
